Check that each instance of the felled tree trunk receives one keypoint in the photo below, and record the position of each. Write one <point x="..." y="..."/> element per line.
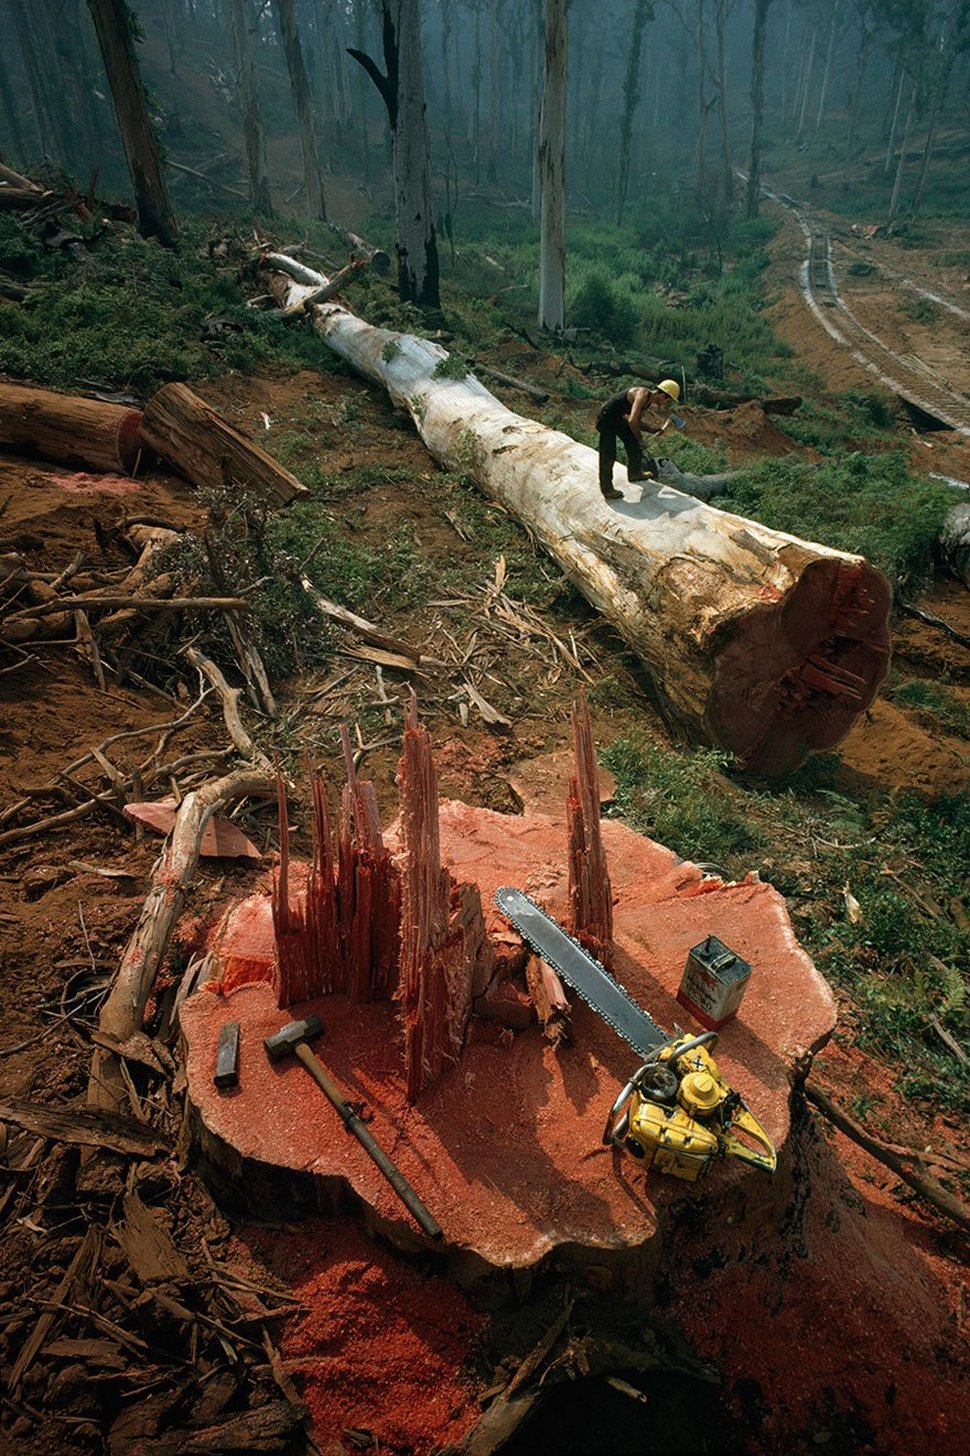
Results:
<point x="190" y="436"/>
<point x="69" y="428"/>
<point x="757" y="642"/>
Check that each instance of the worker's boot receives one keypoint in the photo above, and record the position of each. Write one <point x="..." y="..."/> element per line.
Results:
<point x="612" y="494"/>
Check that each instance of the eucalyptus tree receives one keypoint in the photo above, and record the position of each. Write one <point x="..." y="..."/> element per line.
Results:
<point x="642" y="13"/>
<point x="552" y="169"/>
<point x="114" y="24"/>
<point x="401" y="86"/>
<point x="296" y="66"/>
<point x="241" y="17"/>
<point x="757" y="104"/>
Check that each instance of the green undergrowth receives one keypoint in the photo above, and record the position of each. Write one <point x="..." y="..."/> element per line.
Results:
<point x="127" y="314"/>
<point x="935" y="701"/>
<point x="868" y="504"/>
<point x="903" y="860"/>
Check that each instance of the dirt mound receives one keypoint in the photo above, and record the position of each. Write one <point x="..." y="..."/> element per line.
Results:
<point x="745" y="432"/>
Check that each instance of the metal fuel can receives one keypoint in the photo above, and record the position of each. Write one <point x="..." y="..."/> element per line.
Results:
<point x="713" y="983"/>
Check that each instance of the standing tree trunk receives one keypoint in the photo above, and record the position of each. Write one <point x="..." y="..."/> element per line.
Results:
<point x="721" y="11"/>
<point x="38" y="100"/>
<point x="700" y="155"/>
<point x="10" y="111"/>
<point x="248" y="79"/>
<point x="631" y="96"/>
<point x="552" y="171"/>
<point x="402" y="88"/>
<point x="756" y="642"/>
<point x="826" y="74"/>
<point x="312" y="180"/>
<point x="757" y="103"/>
<point x="112" y="22"/>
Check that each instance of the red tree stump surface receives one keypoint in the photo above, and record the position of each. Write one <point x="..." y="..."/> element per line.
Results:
<point x="504" y="1147"/>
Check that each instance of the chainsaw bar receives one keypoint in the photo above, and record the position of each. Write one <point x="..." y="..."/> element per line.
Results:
<point x="581" y="971"/>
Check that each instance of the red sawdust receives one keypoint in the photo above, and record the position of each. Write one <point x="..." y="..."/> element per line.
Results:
<point x="381" y="1345"/>
<point x="84" y="483"/>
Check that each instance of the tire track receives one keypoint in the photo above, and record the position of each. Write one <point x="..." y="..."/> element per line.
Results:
<point x="908" y="377"/>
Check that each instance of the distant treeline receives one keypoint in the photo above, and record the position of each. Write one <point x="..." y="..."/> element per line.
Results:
<point x="658" y="90"/>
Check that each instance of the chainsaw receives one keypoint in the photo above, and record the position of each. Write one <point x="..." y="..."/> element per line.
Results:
<point x="676" y="1113"/>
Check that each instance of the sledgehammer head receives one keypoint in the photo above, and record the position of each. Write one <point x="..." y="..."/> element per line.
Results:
<point x="283" y="1042"/>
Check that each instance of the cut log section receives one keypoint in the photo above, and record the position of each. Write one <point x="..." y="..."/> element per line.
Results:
<point x="757" y="642"/>
<point x="196" y="442"/>
<point x="69" y="428"/>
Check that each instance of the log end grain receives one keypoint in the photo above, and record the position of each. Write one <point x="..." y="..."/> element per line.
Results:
<point x="796" y="675"/>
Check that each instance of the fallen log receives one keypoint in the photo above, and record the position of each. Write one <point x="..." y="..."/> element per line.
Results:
<point x="757" y="642"/>
<point x="69" y="428"/>
<point x="124" y="1009"/>
<point x="328" y="290"/>
<point x="378" y="260"/>
<point x="208" y="452"/>
<point x="701" y="487"/>
<point x="907" y="1165"/>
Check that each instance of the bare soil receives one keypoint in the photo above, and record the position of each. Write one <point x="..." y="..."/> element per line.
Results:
<point x="424" y="1351"/>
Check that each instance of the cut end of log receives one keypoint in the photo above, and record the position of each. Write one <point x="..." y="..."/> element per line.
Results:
<point x="795" y="677"/>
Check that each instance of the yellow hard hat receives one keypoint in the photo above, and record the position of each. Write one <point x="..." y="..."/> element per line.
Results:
<point x="671" y="387"/>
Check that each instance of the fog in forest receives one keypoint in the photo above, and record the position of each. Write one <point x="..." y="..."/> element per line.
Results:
<point x="864" y="100"/>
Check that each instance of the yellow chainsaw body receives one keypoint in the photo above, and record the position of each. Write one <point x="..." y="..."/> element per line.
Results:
<point x="677" y="1115"/>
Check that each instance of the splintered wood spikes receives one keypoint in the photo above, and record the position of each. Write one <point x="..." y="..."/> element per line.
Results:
<point x="373" y="927"/>
<point x="445" y="954"/>
<point x="341" y="932"/>
<point x="590" y="895"/>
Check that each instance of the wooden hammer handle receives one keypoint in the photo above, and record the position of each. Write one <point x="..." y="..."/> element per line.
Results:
<point x="355" y="1125"/>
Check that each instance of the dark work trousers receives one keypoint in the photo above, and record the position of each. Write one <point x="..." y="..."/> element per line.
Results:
<point x="612" y="429"/>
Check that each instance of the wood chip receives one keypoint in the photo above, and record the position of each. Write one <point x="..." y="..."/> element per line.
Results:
<point x="85" y="1127"/>
<point x="147" y="1244"/>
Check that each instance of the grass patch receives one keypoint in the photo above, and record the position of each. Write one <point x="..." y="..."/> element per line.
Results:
<point x="936" y="701"/>
<point x="681" y="800"/>
<point x="903" y="859"/>
<point x="870" y="505"/>
<point x="132" y="315"/>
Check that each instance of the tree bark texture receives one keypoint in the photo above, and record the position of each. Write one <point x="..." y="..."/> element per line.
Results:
<point x="757" y="642"/>
<point x="196" y="442"/>
<point x="757" y="104"/>
<point x="401" y="88"/>
<point x="248" y="81"/>
<point x="69" y="428"/>
<point x="112" y="22"/>
<point x="552" y="171"/>
<point x="631" y="98"/>
<point x="312" y="180"/>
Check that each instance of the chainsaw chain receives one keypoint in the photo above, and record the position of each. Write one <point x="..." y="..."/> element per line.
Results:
<point x="658" y="1038"/>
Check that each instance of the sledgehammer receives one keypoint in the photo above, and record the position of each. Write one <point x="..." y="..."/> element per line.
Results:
<point x="293" y="1037"/>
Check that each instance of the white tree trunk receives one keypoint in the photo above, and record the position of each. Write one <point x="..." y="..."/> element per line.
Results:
<point x="416" y="242"/>
<point x="756" y="642"/>
<point x="552" y="172"/>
